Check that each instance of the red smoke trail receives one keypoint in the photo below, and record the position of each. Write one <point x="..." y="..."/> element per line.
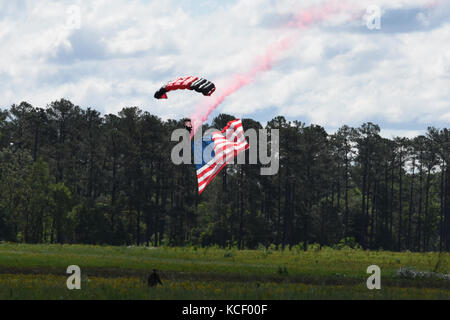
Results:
<point x="238" y="81"/>
<point x="264" y="63"/>
<point x="304" y="19"/>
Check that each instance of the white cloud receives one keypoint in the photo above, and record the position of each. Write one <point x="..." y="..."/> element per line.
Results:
<point x="125" y="50"/>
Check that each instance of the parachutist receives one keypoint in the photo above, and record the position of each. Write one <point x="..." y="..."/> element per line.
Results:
<point x="188" y="125"/>
<point x="154" y="279"/>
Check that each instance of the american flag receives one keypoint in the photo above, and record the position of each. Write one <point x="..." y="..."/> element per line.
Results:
<point x="215" y="150"/>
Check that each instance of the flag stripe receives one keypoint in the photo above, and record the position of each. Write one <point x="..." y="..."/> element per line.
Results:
<point x="220" y="160"/>
<point x="228" y="143"/>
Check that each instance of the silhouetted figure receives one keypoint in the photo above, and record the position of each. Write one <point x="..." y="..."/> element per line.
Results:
<point x="188" y="124"/>
<point x="154" y="279"/>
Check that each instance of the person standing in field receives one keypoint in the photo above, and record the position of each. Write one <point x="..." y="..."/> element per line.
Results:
<point x="154" y="279"/>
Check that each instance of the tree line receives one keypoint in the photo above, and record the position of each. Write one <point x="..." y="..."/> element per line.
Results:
<point x="71" y="175"/>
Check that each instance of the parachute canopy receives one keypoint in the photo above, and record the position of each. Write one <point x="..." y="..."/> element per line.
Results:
<point x="192" y="83"/>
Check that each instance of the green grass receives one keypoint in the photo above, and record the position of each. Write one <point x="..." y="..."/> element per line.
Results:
<point x="38" y="272"/>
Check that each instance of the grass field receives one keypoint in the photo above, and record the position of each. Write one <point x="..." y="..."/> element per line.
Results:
<point x="39" y="272"/>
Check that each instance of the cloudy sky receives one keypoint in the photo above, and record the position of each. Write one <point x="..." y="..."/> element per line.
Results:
<point x="116" y="53"/>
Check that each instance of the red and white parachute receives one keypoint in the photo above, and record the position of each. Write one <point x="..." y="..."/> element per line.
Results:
<point x="191" y="83"/>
